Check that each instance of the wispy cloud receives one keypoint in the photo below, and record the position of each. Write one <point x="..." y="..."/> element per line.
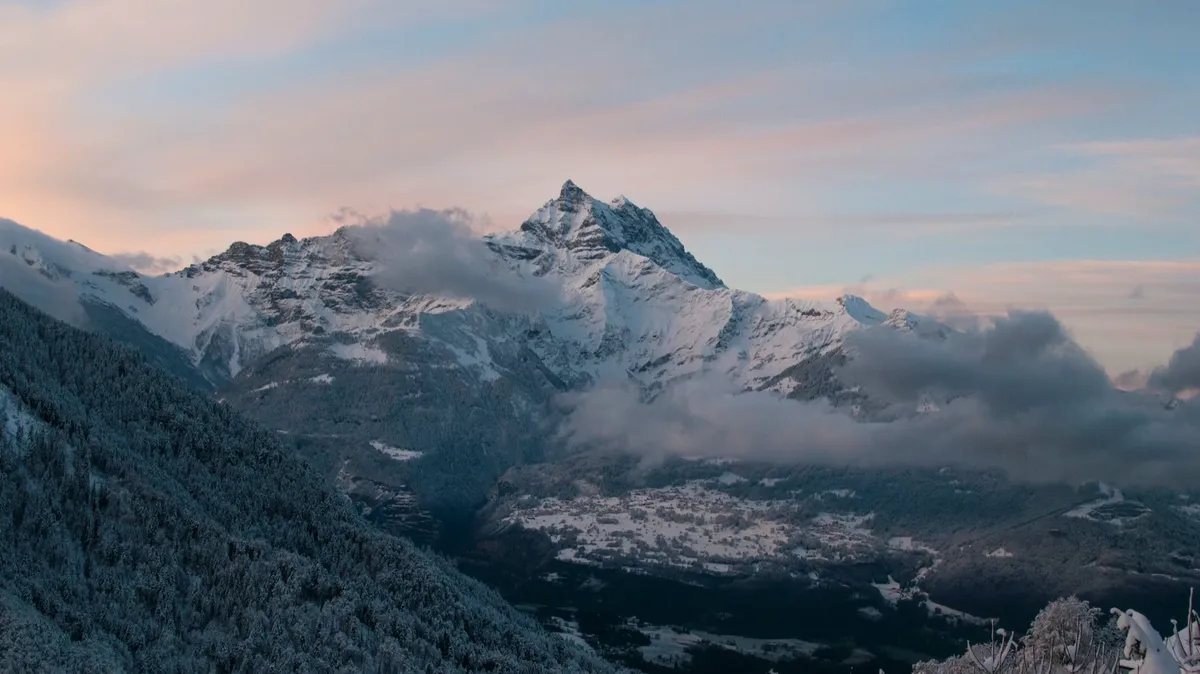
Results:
<point x="147" y="263"/>
<point x="672" y="103"/>
<point x="899" y="224"/>
<point x="1145" y="179"/>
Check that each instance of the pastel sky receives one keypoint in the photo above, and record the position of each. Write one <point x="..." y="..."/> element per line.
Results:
<point x="1040" y="154"/>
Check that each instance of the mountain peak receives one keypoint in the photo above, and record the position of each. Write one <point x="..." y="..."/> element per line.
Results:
<point x="572" y="192"/>
<point x="861" y="310"/>
<point x="591" y="230"/>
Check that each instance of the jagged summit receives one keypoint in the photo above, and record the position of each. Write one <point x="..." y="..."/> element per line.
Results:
<point x="589" y="230"/>
<point x="617" y="295"/>
<point x="861" y="310"/>
<point x="572" y="193"/>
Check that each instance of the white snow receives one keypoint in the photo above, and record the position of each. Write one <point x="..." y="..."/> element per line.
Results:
<point x="648" y="309"/>
<point x="999" y="552"/>
<point x="361" y="353"/>
<point x="1191" y="510"/>
<point x="395" y="452"/>
<point x="728" y="478"/>
<point x="479" y="359"/>
<point x="1111" y="497"/>
<point x="893" y="593"/>
<point x="322" y="379"/>
<point x="688" y="526"/>
<point x="1145" y="651"/>
<point x="835" y="493"/>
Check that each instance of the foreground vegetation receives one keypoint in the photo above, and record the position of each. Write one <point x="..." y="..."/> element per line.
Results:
<point x="1069" y="637"/>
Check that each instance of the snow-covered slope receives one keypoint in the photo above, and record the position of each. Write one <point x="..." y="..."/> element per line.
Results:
<point x="640" y="306"/>
<point x="637" y="304"/>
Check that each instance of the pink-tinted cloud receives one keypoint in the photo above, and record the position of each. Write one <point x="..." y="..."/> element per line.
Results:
<point x="453" y="132"/>
<point x="1141" y="178"/>
<point x="495" y="126"/>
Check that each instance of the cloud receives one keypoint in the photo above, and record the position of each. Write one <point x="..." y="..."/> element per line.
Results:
<point x="438" y="252"/>
<point x="666" y="102"/>
<point x="1091" y="297"/>
<point x="147" y="263"/>
<point x="1143" y="178"/>
<point x="1181" y="373"/>
<point x="1131" y="380"/>
<point x="1020" y="396"/>
<point x="898" y="224"/>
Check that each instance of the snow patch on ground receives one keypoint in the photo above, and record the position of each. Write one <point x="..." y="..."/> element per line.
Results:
<point x="480" y="359"/>
<point x="266" y="387"/>
<point x="891" y="591"/>
<point x="835" y="493"/>
<point x="770" y="481"/>
<point x="322" y="379"/>
<point x="1112" y="509"/>
<point x="999" y="552"/>
<point x="395" y="452"/>
<point x="1191" y="510"/>
<point x="360" y="353"/>
<point x="893" y="594"/>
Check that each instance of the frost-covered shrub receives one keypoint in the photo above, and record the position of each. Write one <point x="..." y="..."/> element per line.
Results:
<point x="1066" y="637"/>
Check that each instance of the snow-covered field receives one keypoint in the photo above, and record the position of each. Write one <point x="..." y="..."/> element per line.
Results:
<point x="691" y="526"/>
<point x="1113" y="508"/>
<point x="893" y="593"/>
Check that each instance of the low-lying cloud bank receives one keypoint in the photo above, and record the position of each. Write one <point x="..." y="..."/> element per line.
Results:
<point x="438" y="252"/>
<point x="1019" y="395"/>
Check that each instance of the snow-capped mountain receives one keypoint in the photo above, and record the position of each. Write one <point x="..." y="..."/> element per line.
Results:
<point x="635" y="303"/>
<point x="306" y="336"/>
<point x="639" y="305"/>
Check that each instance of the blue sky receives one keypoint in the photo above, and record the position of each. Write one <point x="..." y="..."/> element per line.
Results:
<point x="1040" y="154"/>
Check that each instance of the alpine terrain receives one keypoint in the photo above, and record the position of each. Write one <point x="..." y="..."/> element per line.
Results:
<point x="435" y="401"/>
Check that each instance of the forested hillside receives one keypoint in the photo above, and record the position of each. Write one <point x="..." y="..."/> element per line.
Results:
<point x="146" y="528"/>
